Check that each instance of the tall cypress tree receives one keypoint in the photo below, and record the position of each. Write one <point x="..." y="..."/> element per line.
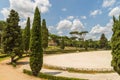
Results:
<point x="26" y="35"/>
<point x="36" y="57"/>
<point x="103" y="41"/>
<point x="115" y="43"/>
<point x="44" y="34"/>
<point x="62" y="45"/>
<point x="12" y="37"/>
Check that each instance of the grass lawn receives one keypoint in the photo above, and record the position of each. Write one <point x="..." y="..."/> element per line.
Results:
<point x="3" y="57"/>
<point x="57" y="50"/>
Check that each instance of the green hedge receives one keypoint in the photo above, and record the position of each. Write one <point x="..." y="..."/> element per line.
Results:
<point x="50" y="77"/>
<point x="3" y="55"/>
<point x="76" y="70"/>
<point x="65" y="51"/>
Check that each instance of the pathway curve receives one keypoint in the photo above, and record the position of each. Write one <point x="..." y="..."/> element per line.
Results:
<point x="7" y="72"/>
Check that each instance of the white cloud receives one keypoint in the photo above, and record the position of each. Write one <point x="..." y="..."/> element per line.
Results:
<point x="95" y="12"/>
<point x="22" y="23"/>
<point x="64" y="9"/>
<point x="115" y="11"/>
<point x="60" y="33"/>
<point x="50" y="28"/>
<point x="25" y="8"/>
<point x="77" y="25"/>
<point x="98" y="29"/>
<point x="83" y="17"/>
<point x="70" y="17"/>
<point x="64" y="24"/>
<point x="5" y="12"/>
<point x="68" y="25"/>
<point x="108" y="3"/>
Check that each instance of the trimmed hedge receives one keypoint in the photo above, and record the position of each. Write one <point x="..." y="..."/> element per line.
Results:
<point x="90" y="71"/>
<point x="3" y="55"/>
<point x="50" y="77"/>
<point x="60" y="51"/>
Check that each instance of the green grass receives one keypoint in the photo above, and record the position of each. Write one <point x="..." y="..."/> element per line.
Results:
<point x="3" y="57"/>
<point x="57" y="50"/>
<point x="50" y="77"/>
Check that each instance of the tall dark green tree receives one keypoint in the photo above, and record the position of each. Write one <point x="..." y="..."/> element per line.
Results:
<point x="62" y="45"/>
<point x="36" y="57"/>
<point x="45" y="34"/>
<point x="103" y="41"/>
<point x="26" y="35"/>
<point x="86" y="45"/>
<point x="12" y="37"/>
<point x="115" y="43"/>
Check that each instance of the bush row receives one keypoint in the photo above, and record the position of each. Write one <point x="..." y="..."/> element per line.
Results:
<point x="65" y="51"/>
<point x="81" y="70"/>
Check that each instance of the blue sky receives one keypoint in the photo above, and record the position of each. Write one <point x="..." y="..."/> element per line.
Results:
<point x="64" y="16"/>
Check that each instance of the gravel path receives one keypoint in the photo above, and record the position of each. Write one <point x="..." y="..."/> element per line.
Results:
<point x="10" y="73"/>
<point x="7" y="72"/>
<point x="86" y="60"/>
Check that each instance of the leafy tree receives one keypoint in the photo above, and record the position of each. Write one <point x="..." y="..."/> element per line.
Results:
<point x="44" y="35"/>
<point x="82" y="34"/>
<point x="115" y="43"/>
<point x="12" y="37"/>
<point x="26" y="35"/>
<point x="2" y="27"/>
<point x="36" y="57"/>
<point x="62" y="45"/>
<point x="103" y="41"/>
<point x="55" y="38"/>
<point x="86" y="45"/>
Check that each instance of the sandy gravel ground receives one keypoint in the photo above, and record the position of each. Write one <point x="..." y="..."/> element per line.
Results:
<point x="9" y="73"/>
<point x="90" y="60"/>
<point x="97" y="76"/>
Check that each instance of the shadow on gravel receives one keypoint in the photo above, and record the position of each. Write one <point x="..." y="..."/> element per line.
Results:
<point x="52" y="73"/>
<point x="22" y="63"/>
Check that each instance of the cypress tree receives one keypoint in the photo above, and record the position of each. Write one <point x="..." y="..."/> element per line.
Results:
<point x="62" y="45"/>
<point x="26" y="35"/>
<point x="44" y="34"/>
<point x="12" y="37"/>
<point x="103" y="41"/>
<point x="36" y="57"/>
<point x="86" y="45"/>
<point x="115" y="43"/>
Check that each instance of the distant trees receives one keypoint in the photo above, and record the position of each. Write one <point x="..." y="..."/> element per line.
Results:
<point x="26" y="35"/>
<point x="103" y="41"/>
<point x="45" y="34"/>
<point x="55" y="38"/>
<point x="115" y="43"/>
<point x="81" y="37"/>
<point x="12" y="37"/>
<point x="36" y="56"/>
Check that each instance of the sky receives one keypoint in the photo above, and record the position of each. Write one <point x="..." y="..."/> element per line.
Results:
<point x="64" y="16"/>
